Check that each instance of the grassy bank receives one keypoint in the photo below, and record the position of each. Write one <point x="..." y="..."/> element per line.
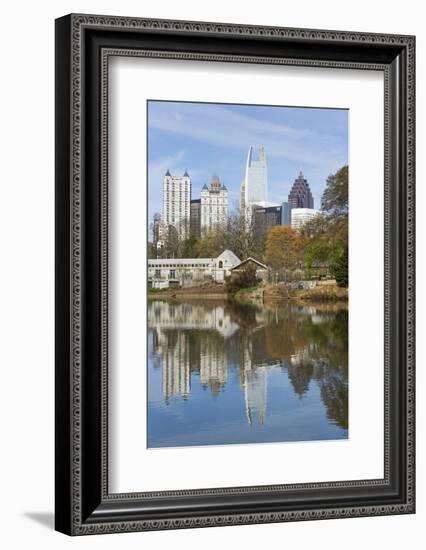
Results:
<point x="326" y="293"/>
<point x="210" y="291"/>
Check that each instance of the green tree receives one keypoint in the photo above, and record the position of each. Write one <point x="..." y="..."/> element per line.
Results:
<point x="326" y="235"/>
<point x="189" y="248"/>
<point x="210" y="245"/>
<point x="335" y="207"/>
<point x="340" y="267"/>
<point x="334" y="201"/>
<point x="317" y="252"/>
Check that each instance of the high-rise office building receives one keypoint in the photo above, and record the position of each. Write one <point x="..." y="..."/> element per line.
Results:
<point x="265" y="217"/>
<point x="254" y="188"/>
<point x="195" y="219"/>
<point x="285" y="214"/>
<point x="214" y="205"/>
<point x="176" y="203"/>
<point x="299" y="216"/>
<point x="300" y="195"/>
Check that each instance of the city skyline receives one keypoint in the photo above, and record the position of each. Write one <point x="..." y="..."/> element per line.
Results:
<point x="247" y="319"/>
<point x="209" y="138"/>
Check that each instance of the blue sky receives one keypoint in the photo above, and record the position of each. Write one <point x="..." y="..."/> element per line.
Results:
<point x="214" y="138"/>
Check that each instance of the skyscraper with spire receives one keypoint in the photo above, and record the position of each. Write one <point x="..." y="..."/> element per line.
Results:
<point x="300" y="195"/>
<point x="254" y="187"/>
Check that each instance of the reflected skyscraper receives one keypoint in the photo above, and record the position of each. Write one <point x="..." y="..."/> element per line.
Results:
<point x="215" y="347"/>
<point x="213" y="365"/>
<point x="189" y="338"/>
<point x="255" y="393"/>
<point x="176" y="379"/>
<point x="253" y="379"/>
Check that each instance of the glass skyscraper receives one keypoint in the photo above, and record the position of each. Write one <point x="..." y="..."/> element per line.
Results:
<point x="300" y="195"/>
<point x="254" y="188"/>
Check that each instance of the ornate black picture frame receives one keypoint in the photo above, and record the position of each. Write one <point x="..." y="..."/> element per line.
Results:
<point x="83" y="45"/>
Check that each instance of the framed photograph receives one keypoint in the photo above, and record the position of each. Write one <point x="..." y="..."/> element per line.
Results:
<point x="234" y="274"/>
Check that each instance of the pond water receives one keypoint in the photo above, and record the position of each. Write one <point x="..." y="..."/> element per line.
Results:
<point x="224" y="373"/>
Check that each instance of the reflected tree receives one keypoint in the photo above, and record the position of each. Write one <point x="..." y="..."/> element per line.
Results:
<point x="300" y="376"/>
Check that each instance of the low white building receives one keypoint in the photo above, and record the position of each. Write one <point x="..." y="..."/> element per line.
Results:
<point x="299" y="216"/>
<point x="166" y="272"/>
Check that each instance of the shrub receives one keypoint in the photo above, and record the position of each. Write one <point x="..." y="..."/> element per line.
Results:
<point x="245" y="279"/>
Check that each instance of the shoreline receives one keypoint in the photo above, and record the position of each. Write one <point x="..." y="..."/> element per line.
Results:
<point x="333" y="296"/>
<point x="207" y="292"/>
<point x="184" y="296"/>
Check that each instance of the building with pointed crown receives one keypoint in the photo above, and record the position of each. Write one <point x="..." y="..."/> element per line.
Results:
<point x="214" y="205"/>
<point x="176" y="203"/>
<point x="300" y="195"/>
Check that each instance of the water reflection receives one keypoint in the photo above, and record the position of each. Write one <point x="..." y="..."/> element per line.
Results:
<point x="227" y="373"/>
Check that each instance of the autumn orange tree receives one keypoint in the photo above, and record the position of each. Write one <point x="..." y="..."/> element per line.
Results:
<point x="283" y="250"/>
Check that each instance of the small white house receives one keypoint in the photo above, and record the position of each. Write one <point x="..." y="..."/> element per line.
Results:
<point x="262" y="270"/>
<point x="166" y="272"/>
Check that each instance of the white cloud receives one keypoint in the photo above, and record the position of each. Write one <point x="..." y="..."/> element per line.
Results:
<point x="160" y="166"/>
<point x="221" y="126"/>
<point x="156" y="171"/>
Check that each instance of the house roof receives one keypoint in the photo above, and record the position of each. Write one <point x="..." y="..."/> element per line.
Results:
<point x="250" y="259"/>
<point x="230" y="256"/>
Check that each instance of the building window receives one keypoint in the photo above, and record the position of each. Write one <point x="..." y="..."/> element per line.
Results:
<point x="158" y="273"/>
<point x="220" y="264"/>
<point x="172" y="274"/>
